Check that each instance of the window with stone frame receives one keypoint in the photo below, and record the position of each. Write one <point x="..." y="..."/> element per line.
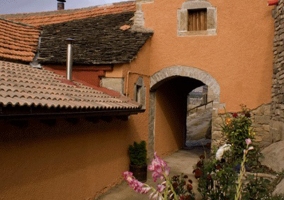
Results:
<point x="197" y="18"/>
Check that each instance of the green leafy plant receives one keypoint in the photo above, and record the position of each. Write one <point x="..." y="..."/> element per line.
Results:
<point x="138" y="153"/>
<point x="237" y="128"/>
<point x="256" y="188"/>
<point x="182" y="186"/>
<point x="223" y="174"/>
<point x="216" y="180"/>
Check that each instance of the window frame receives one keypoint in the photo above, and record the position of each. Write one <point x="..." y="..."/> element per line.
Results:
<point x="183" y="17"/>
<point x="140" y="92"/>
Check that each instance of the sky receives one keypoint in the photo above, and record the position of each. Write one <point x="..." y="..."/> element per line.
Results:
<point x="24" y="6"/>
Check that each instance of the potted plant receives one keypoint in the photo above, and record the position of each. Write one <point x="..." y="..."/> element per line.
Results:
<point x="138" y="160"/>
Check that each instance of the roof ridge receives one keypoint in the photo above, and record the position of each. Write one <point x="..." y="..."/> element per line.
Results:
<point x="19" y="23"/>
<point x="67" y="10"/>
<point x="53" y="17"/>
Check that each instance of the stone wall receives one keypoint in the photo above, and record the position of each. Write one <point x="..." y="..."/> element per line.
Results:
<point x="261" y="119"/>
<point x="277" y="104"/>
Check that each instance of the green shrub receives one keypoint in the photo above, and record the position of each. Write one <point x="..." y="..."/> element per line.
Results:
<point x="138" y="153"/>
<point x="221" y="178"/>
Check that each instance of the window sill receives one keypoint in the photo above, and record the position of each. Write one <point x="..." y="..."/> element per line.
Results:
<point x="209" y="32"/>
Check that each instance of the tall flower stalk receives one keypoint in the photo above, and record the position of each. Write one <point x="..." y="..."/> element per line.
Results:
<point x="160" y="171"/>
<point x="238" y="195"/>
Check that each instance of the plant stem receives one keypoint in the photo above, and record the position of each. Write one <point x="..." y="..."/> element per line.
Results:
<point x="169" y="185"/>
<point x="242" y="172"/>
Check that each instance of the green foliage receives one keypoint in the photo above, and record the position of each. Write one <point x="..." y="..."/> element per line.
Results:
<point x="138" y="153"/>
<point x="220" y="178"/>
<point x="217" y="180"/>
<point x="237" y="128"/>
<point x="182" y="186"/>
<point x="256" y="188"/>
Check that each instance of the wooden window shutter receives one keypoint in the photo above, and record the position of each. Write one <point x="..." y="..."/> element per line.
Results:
<point x="197" y="20"/>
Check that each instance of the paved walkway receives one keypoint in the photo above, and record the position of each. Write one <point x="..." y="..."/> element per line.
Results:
<point x="180" y="162"/>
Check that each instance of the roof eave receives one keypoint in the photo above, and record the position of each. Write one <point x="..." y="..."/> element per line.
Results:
<point x="72" y="114"/>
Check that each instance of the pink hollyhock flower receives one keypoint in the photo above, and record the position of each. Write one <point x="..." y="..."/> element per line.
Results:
<point x="156" y="196"/>
<point x="135" y="184"/>
<point x="128" y="176"/>
<point x="161" y="187"/>
<point x="159" y="168"/>
<point x="248" y="141"/>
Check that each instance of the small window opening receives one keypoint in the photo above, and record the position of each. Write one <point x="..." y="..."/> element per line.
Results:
<point x="197" y="19"/>
<point x="138" y="93"/>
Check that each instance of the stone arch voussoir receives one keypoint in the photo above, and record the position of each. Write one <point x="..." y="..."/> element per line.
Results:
<point x="190" y="72"/>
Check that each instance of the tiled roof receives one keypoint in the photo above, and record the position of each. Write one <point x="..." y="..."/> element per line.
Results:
<point x="22" y="85"/>
<point x="104" y="39"/>
<point x="102" y="34"/>
<point x="52" y="17"/>
<point x="18" y="41"/>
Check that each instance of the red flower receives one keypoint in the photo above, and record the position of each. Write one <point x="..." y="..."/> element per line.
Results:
<point x="197" y="173"/>
<point x="218" y="166"/>
<point x="199" y="164"/>
<point x="235" y="115"/>
<point x="247" y="114"/>
<point x="209" y="177"/>
<point x="189" y="187"/>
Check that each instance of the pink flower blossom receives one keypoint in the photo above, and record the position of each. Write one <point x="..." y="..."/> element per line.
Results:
<point x="128" y="176"/>
<point x="248" y="141"/>
<point x="135" y="184"/>
<point x="156" y="196"/>
<point x="159" y="168"/>
<point x="161" y="187"/>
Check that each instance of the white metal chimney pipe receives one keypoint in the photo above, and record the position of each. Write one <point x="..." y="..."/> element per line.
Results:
<point x="69" y="61"/>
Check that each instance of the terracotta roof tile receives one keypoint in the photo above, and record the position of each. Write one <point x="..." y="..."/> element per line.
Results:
<point x="52" y="17"/>
<point x="18" y="41"/>
<point x="22" y="85"/>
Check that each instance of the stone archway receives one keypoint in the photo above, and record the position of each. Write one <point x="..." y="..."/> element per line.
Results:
<point x="176" y="71"/>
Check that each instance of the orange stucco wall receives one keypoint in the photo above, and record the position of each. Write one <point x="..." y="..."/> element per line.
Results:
<point x="62" y="161"/>
<point x="89" y="75"/>
<point x="239" y="57"/>
<point x="131" y="72"/>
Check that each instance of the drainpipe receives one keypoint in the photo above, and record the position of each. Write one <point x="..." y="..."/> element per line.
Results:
<point x="69" y="61"/>
<point x="272" y="2"/>
<point x="127" y="80"/>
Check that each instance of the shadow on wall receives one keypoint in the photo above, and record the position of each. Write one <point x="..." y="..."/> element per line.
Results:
<point x="62" y="160"/>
